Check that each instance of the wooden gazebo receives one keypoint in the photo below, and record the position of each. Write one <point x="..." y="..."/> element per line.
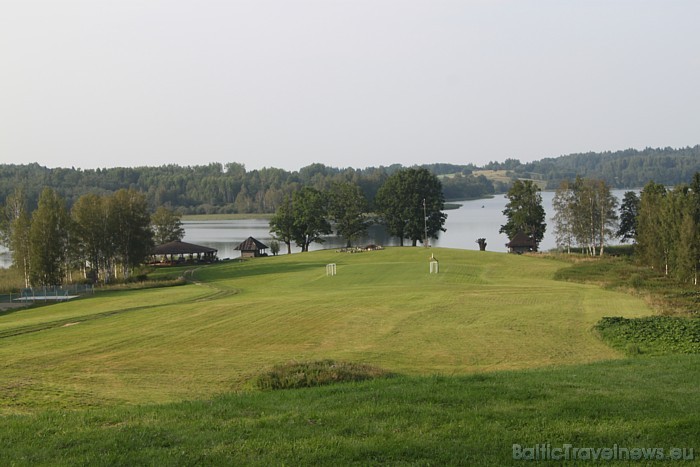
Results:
<point x="252" y="248"/>
<point x="521" y="243"/>
<point x="178" y="252"/>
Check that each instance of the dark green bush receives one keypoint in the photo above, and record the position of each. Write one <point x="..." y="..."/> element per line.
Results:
<point x="652" y="334"/>
<point x="316" y="373"/>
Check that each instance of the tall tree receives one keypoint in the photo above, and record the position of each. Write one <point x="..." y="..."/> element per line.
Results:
<point x="585" y="212"/>
<point x="133" y="239"/>
<point x="20" y="246"/>
<point x="411" y="203"/>
<point x="524" y="211"/>
<point x="650" y="224"/>
<point x="629" y="210"/>
<point x="282" y="223"/>
<point x="687" y="247"/>
<point x="95" y="235"/>
<point x="347" y="210"/>
<point x="564" y="214"/>
<point x="48" y="237"/>
<point x="310" y="212"/>
<point x="15" y="232"/>
<point x="594" y="214"/>
<point x="166" y="225"/>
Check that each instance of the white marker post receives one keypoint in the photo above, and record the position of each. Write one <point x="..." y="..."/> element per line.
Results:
<point x="434" y="267"/>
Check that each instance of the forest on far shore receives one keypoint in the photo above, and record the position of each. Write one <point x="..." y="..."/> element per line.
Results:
<point x="230" y="188"/>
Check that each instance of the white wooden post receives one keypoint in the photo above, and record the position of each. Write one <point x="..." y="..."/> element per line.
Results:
<point x="434" y="267"/>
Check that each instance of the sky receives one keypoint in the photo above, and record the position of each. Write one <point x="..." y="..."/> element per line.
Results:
<point x="345" y="83"/>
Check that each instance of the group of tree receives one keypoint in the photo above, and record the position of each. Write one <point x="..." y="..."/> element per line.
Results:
<point x="409" y="203"/>
<point x="230" y="188"/>
<point x="584" y="215"/>
<point x="668" y="228"/>
<point x="625" y="169"/>
<point x="218" y="188"/>
<point x="103" y="237"/>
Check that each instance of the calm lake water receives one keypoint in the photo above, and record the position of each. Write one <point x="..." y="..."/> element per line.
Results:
<point x="474" y="219"/>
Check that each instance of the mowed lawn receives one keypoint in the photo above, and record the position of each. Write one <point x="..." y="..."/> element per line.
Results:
<point x="483" y="312"/>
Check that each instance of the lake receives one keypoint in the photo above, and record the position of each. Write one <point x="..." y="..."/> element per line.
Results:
<point x="474" y="219"/>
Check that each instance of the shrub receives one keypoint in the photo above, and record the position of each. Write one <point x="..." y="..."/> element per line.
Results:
<point x="633" y="349"/>
<point x="653" y="334"/>
<point x="316" y="373"/>
<point x="636" y="281"/>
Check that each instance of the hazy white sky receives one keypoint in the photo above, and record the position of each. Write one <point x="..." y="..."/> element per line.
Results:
<point x="286" y="83"/>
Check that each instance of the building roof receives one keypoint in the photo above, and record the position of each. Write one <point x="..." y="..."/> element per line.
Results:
<point x="251" y="244"/>
<point x="181" y="248"/>
<point x="520" y="239"/>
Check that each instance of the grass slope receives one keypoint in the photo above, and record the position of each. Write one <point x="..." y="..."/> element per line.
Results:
<point x="484" y="311"/>
<point x="461" y="420"/>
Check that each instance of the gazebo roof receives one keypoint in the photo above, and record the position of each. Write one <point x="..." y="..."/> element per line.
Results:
<point x="181" y="248"/>
<point x="251" y="244"/>
<point x="520" y="239"/>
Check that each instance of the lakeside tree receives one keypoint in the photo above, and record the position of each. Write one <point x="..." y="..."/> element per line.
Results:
<point x="282" y="223"/>
<point x="563" y="218"/>
<point x="594" y="214"/>
<point x="584" y="213"/>
<point x="686" y="248"/>
<point x="524" y="211"/>
<point x="668" y="236"/>
<point x="130" y="221"/>
<point x="48" y="240"/>
<point x="167" y="226"/>
<point x="15" y="232"/>
<point x="629" y="210"/>
<point x="347" y="208"/>
<point x="410" y="203"/>
<point x="651" y="250"/>
<point x="94" y="231"/>
<point x="309" y="211"/>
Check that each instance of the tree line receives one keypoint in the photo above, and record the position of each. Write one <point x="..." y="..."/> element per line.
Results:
<point x="220" y="188"/>
<point x="663" y="223"/>
<point x="102" y="237"/>
<point x="410" y="204"/>
<point x="629" y="168"/>
<point x="585" y="214"/>
<point x="667" y="230"/>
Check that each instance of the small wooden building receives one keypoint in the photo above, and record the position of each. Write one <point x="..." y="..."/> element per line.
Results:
<point x="252" y="248"/>
<point x="179" y="252"/>
<point x="521" y="243"/>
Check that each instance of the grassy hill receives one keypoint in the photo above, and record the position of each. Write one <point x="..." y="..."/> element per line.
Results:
<point x="490" y="352"/>
<point x="483" y="312"/>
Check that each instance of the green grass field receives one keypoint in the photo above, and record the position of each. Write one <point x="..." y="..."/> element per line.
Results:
<point x="483" y="312"/>
<point x="165" y="374"/>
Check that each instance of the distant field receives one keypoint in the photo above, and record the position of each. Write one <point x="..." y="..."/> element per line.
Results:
<point x="500" y="176"/>
<point x="494" y="175"/>
<point x="484" y="312"/>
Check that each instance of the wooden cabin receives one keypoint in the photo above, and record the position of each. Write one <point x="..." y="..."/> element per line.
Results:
<point x="252" y="248"/>
<point x="521" y="243"/>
